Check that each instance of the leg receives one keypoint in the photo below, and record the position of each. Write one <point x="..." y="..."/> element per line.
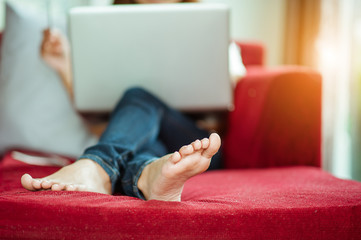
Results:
<point x="176" y="129"/>
<point x="173" y="129"/>
<point x="134" y="123"/>
<point x="150" y="177"/>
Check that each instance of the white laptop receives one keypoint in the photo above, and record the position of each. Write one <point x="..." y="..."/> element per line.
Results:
<point x="179" y="52"/>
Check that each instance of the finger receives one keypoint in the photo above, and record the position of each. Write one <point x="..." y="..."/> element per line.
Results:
<point x="46" y="31"/>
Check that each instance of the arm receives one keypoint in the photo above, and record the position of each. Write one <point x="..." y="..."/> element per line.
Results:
<point x="55" y="51"/>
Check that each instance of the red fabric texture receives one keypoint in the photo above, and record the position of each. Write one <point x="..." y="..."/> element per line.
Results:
<point x="253" y="54"/>
<point x="276" y="120"/>
<point x="275" y="203"/>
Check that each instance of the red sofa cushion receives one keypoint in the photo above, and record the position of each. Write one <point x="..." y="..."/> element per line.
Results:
<point x="253" y="54"/>
<point x="276" y="120"/>
<point x="276" y="203"/>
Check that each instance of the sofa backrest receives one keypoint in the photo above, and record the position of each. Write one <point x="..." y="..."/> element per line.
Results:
<point x="276" y="120"/>
<point x="253" y="54"/>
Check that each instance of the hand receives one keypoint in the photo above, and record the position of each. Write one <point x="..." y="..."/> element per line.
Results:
<point x="55" y="51"/>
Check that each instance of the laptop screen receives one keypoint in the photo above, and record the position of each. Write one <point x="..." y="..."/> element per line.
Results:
<point x="179" y="52"/>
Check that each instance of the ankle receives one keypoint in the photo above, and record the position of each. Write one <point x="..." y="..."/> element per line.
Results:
<point x="143" y="180"/>
<point x="97" y="171"/>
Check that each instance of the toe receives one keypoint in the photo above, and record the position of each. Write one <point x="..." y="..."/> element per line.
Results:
<point x="214" y="144"/>
<point x="70" y="187"/>
<point x="197" y="145"/>
<point x="205" y="143"/>
<point x="61" y="186"/>
<point x="186" y="150"/>
<point x="36" y="184"/>
<point x="46" y="184"/>
<point x="26" y="181"/>
<point x="57" y="187"/>
<point x="175" y="157"/>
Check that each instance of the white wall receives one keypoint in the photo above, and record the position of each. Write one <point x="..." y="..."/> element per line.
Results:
<point x="259" y="20"/>
<point x="58" y="7"/>
<point x="251" y="20"/>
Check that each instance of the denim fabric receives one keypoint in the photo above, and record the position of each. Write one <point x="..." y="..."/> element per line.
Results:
<point x="141" y="129"/>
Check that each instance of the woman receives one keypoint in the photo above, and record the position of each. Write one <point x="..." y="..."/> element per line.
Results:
<point x="150" y="1"/>
<point x="131" y="155"/>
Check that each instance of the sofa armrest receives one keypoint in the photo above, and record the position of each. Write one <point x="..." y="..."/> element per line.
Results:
<point x="253" y="54"/>
<point x="276" y="120"/>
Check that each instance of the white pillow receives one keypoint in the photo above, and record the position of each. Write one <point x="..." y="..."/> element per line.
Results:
<point x="35" y="111"/>
<point x="237" y="69"/>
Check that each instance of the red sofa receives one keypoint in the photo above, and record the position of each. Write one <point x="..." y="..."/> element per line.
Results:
<point x="272" y="187"/>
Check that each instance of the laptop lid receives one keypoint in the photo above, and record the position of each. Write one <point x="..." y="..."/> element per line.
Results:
<point x="179" y="52"/>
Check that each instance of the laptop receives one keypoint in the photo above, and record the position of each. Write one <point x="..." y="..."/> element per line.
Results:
<point x="179" y="52"/>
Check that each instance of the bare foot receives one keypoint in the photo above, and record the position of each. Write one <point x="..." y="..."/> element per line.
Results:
<point x="164" y="178"/>
<point x="83" y="175"/>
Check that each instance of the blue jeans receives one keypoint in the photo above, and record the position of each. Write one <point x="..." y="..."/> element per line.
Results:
<point x="141" y="129"/>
